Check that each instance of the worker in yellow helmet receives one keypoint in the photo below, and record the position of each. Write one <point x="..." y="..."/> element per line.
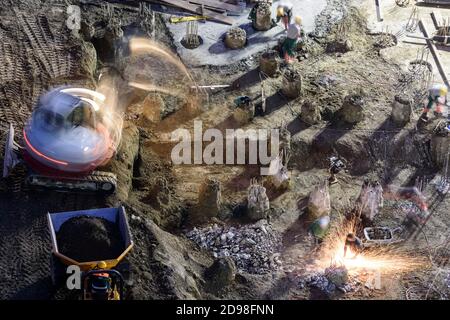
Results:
<point x="437" y="96"/>
<point x="284" y="13"/>
<point x="293" y="35"/>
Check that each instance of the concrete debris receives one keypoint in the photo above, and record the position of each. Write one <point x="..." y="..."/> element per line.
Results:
<point x="325" y="285"/>
<point x="253" y="248"/>
<point x="337" y="275"/>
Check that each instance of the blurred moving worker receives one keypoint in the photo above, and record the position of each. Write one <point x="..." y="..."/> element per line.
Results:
<point x="319" y="228"/>
<point x="290" y="44"/>
<point x="284" y="13"/>
<point x="353" y="244"/>
<point x="437" y="96"/>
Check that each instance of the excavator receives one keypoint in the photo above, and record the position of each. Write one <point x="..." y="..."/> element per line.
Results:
<point x="64" y="142"/>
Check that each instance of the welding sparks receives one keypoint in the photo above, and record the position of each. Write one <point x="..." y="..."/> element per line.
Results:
<point x="388" y="259"/>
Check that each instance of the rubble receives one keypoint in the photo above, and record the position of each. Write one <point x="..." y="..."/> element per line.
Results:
<point x="253" y="248"/>
<point x="337" y="275"/>
<point x="323" y="281"/>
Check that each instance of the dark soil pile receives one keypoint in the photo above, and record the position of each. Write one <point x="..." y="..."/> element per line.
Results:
<point x="87" y="238"/>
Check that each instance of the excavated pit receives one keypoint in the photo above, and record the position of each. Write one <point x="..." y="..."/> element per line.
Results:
<point x="157" y="195"/>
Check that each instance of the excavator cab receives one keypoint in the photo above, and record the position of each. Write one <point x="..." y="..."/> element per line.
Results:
<point x="82" y="115"/>
<point x="102" y="285"/>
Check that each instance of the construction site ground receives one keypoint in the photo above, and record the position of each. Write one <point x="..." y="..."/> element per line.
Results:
<point x="38" y="52"/>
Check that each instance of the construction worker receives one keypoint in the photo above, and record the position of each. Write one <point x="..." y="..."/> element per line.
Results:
<point x="319" y="228"/>
<point x="437" y="95"/>
<point x="354" y="244"/>
<point x="336" y="165"/>
<point x="290" y="44"/>
<point x="284" y="13"/>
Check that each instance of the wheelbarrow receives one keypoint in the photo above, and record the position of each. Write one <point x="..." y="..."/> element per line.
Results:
<point x="381" y="236"/>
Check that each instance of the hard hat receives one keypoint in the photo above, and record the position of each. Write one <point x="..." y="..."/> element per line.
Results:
<point x="324" y="221"/>
<point x="298" y="20"/>
<point x="280" y="11"/>
<point x="443" y="91"/>
<point x="101" y="265"/>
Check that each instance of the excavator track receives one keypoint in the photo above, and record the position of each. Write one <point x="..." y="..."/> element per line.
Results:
<point x="98" y="182"/>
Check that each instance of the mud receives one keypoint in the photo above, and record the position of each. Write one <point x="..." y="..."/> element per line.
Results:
<point x="87" y="238"/>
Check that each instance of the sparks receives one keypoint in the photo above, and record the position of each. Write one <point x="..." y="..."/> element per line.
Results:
<point x="384" y="259"/>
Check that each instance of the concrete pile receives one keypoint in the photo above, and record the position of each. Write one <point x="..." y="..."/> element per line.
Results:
<point x="319" y="203"/>
<point x="401" y="110"/>
<point x="292" y="83"/>
<point x="263" y="21"/>
<point x="370" y="200"/>
<point x="353" y="108"/>
<point x="253" y="248"/>
<point x="310" y="113"/>
<point x="258" y="203"/>
<point x="236" y="38"/>
<point x="268" y="63"/>
<point x="210" y="198"/>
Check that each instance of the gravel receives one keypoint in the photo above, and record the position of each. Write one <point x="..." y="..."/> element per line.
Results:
<point x="254" y="248"/>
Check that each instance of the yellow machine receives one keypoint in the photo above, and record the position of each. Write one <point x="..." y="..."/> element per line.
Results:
<point x="102" y="279"/>
<point x="186" y="19"/>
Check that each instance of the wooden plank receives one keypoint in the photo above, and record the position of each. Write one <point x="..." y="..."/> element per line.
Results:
<point x="434" y="51"/>
<point x="197" y="10"/>
<point x="216" y="4"/>
<point x="437" y="19"/>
